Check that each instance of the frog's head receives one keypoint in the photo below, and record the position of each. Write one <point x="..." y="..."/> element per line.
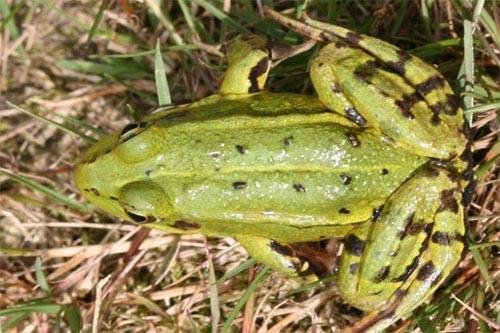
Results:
<point x="113" y="175"/>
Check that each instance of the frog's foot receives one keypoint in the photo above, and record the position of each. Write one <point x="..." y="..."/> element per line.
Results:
<point x="288" y="259"/>
<point x="376" y="84"/>
<point x="393" y="264"/>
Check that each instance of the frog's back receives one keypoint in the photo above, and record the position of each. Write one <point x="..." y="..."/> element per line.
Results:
<point x="248" y="164"/>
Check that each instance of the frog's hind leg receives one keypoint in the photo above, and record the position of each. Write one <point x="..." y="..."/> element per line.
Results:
<point x="393" y="264"/>
<point x="375" y="84"/>
<point x="286" y="258"/>
<point x="360" y="86"/>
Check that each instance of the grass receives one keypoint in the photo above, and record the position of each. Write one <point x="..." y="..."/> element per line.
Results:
<point x="88" y="70"/>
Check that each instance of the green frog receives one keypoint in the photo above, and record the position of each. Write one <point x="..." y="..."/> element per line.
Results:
<point x="379" y="157"/>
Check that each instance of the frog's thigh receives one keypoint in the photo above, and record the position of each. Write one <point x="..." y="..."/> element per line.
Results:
<point x="421" y="117"/>
<point x="276" y="255"/>
<point x="390" y="266"/>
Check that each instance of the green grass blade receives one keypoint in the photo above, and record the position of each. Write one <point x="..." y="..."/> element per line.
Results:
<point x="215" y="311"/>
<point x="74" y="318"/>
<point x="9" y="22"/>
<point x="28" y="308"/>
<point x="124" y="69"/>
<point x="237" y="308"/>
<point x="56" y="124"/>
<point x="48" y="192"/>
<point x="41" y="278"/>
<point x="466" y="74"/>
<point x="239" y="269"/>
<point x="97" y="20"/>
<point x="222" y="16"/>
<point x="14" y="320"/>
<point x="162" y="89"/>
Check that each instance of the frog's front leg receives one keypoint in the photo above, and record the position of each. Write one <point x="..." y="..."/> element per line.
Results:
<point x="249" y="61"/>
<point x="285" y="258"/>
<point x="393" y="264"/>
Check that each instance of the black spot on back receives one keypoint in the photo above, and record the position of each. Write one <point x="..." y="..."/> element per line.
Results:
<point x="214" y="154"/>
<point x="288" y="140"/>
<point x="346" y="180"/>
<point x="353" y="139"/>
<point x="299" y="188"/>
<point x="241" y="149"/>
<point x="239" y="185"/>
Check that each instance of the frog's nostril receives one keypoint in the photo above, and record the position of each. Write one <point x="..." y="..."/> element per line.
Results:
<point x="92" y="190"/>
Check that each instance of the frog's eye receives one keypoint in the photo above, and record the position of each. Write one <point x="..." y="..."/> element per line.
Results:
<point x="132" y="129"/>
<point x="145" y="202"/>
<point x="139" y="218"/>
<point x="137" y="142"/>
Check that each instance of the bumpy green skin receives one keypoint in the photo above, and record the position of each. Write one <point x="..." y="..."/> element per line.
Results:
<point x="374" y="158"/>
<point x="233" y="167"/>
